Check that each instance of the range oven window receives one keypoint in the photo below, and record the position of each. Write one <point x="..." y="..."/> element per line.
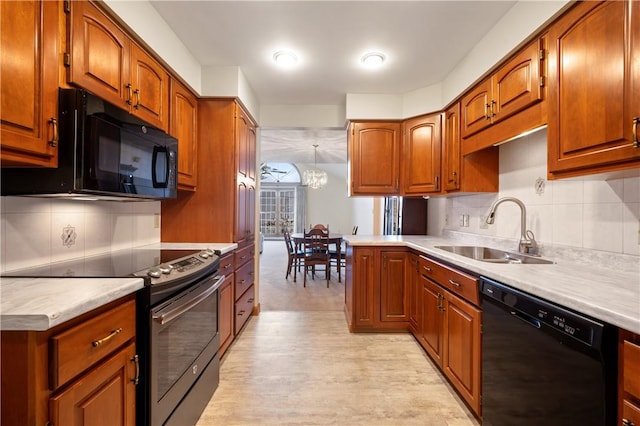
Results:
<point x="184" y="339"/>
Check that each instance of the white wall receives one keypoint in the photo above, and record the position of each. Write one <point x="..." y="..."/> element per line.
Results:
<point x="598" y="212"/>
<point x="31" y="229"/>
<point x="330" y="205"/>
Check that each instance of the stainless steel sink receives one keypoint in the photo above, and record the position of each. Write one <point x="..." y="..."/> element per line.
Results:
<point x="492" y="255"/>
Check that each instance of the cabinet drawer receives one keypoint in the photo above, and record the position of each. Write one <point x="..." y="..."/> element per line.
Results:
<point x="227" y="264"/>
<point x="630" y="412"/>
<point x="453" y="280"/>
<point x="82" y="346"/>
<point x="244" y="278"/>
<point x="631" y="368"/>
<point x="243" y="309"/>
<point x="244" y="255"/>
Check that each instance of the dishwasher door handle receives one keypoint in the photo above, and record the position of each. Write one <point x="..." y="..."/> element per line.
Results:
<point x="526" y="318"/>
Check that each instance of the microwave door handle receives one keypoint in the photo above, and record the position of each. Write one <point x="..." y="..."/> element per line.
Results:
<point x="167" y="315"/>
<point x="156" y="151"/>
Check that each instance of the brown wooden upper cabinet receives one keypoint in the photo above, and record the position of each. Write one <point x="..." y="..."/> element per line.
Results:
<point x="374" y="158"/>
<point x="105" y="61"/>
<point x="29" y="86"/>
<point x="184" y="127"/>
<point x="421" y="155"/>
<point x="514" y="87"/>
<point x="475" y="172"/>
<point x="594" y="89"/>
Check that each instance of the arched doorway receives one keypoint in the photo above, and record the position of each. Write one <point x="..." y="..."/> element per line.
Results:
<point x="281" y="199"/>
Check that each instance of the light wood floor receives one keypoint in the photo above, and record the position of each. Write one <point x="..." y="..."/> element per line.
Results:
<point x="297" y="364"/>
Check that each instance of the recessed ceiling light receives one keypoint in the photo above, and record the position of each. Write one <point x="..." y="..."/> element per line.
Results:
<point x="285" y="58"/>
<point x="372" y="59"/>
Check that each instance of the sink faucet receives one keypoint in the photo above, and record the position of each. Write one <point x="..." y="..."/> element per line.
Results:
<point x="527" y="244"/>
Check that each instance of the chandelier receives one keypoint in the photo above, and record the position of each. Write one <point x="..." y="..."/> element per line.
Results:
<point x="313" y="177"/>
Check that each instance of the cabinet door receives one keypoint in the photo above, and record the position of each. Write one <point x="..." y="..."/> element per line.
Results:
<point x="29" y="86"/>
<point x="364" y="278"/>
<point x="100" y="54"/>
<point x="150" y="89"/>
<point x="451" y="149"/>
<point x="432" y="320"/>
<point x="245" y="137"/>
<point x="374" y="158"/>
<point x="242" y="198"/>
<point x="517" y="84"/>
<point x="592" y="104"/>
<point x="475" y="107"/>
<point x="183" y="126"/>
<point x="421" y="148"/>
<point x="106" y="395"/>
<point x="461" y="361"/>
<point x="394" y="286"/>
<point x="415" y="294"/>
<point x="226" y="306"/>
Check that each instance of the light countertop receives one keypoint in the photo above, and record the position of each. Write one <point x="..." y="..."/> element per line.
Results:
<point x="42" y="303"/>
<point x="610" y="294"/>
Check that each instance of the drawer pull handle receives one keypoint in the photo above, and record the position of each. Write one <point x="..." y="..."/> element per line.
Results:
<point x="426" y="268"/>
<point x="250" y="300"/>
<point x="627" y="422"/>
<point x="243" y="257"/>
<point x="54" y="125"/>
<point x="452" y="282"/>
<point x="636" y="143"/>
<point x="241" y="313"/>
<point x="129" y="96"/>
<point x="111" y="335"/>
<point x="242" y="281"/>
<point x="136" y="379"/>
<point x="227" y="266"/>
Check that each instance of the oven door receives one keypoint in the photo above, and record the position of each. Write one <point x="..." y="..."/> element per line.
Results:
<point x="184" y="340"/>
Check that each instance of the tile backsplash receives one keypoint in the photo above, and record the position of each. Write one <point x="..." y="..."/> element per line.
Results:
<point x="593" y="212"/>
<point x="41" y="230"/>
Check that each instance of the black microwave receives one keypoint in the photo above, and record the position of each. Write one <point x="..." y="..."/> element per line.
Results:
<point x="103" y="152"/>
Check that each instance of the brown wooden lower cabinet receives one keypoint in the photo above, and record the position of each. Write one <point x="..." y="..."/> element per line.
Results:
<point x="105" y="395"/>
<point x="377" y="289"/>
<point x="629" y="379"/>
<point x="449" y="329"/>
<point x="60" y="377"/>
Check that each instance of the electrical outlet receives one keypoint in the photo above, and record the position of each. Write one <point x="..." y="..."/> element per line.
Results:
<point x="446" y="219"/>
<point x="465" y="220"/>
<point x="156" y="221"/>
<point x="483" y="222"/>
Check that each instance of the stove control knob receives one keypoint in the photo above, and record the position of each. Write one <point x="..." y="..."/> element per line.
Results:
<point x="210" y="252"/>
<point x="165" y="269"/>
<point x="203" y="254"/>
<point x="154" y="273"/>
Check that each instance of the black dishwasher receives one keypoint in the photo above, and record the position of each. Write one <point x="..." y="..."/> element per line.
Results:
<point x="543" y="364"/>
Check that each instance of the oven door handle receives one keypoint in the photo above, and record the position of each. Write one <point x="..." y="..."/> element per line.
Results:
<point x="167" y="315"/>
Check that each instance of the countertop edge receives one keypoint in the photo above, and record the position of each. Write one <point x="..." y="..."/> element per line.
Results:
<point x="53" y="307"/>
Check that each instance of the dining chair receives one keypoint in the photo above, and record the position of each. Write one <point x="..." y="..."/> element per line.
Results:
<point x="316" y="252"/>
<point x="295" y="256"/>
<point x="321" y="226"/>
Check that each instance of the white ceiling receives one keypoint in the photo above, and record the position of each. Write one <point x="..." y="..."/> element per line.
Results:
<point x="423" y="42"/>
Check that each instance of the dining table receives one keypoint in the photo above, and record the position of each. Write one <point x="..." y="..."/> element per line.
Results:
<point x="333" y="239"/>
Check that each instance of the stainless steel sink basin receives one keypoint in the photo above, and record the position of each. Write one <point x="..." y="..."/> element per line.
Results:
<point x="492" y="255"/>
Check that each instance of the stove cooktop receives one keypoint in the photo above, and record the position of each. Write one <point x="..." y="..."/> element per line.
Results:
<point x="121" y="263"/>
